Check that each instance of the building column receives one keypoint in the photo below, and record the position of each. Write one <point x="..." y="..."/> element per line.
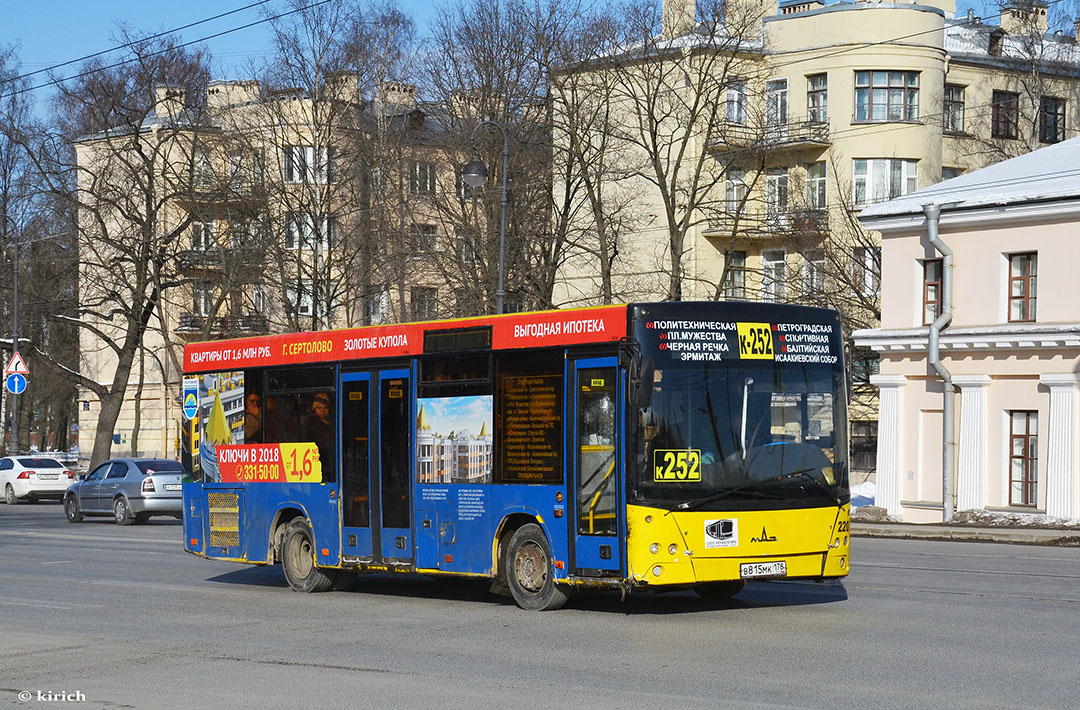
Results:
<point x="971" y="449"/>
<point x="890" y="440"/>
<point x="1063" y="446"/>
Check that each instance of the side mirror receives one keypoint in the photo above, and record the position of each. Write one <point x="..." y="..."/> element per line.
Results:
<point x="82" y="476"/>
<point x="640" y="392"/>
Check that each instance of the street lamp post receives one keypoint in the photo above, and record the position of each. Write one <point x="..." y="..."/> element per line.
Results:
<point x="475" y="174"/>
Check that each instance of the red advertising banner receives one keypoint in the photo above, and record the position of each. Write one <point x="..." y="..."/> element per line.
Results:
<point x="519" y="330"/>
<point x="270" y="463"/>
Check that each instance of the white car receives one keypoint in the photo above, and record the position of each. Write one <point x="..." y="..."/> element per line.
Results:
<point x="33" y="478"/>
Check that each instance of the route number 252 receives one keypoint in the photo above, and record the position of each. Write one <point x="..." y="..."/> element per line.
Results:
<point x="676" y="466"/>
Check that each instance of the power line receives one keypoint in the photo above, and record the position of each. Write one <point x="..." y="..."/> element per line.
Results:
<point x="133" y="43"/>
<point x="169" y="49"/>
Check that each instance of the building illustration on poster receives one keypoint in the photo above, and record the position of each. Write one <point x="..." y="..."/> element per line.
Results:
<point x="220" y="420"/>
<point x="453" y="440"/>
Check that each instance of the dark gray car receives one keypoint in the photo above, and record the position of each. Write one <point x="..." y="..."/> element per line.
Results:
<point x="130" y="490"/>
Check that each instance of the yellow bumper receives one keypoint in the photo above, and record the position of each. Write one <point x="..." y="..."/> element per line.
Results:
<point x="691" y="547"/>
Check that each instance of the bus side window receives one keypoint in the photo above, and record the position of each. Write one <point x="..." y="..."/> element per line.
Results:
<point x="529" y="417"/>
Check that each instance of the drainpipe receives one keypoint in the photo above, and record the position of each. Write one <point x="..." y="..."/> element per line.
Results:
<point x="948" y="439"/>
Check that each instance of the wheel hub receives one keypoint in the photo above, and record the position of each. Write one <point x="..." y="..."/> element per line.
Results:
<point x="530" y="567"/>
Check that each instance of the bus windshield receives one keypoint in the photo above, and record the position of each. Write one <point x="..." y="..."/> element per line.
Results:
<point x="754" y="435"/>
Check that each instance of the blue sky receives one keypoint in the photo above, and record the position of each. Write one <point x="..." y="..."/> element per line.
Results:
<point x="49" y="32"/>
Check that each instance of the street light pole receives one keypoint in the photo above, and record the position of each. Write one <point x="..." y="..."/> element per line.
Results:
<point x="15" y="347"/>
<point x="474" y="174"/>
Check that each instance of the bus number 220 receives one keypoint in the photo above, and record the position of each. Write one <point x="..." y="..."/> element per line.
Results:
<point x="672" y="465"/>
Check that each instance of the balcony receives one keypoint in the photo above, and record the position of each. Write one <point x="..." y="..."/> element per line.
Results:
<point x="195" y="260"/>
<point x="222" y="326"/>
<point x="209" y="189"/>
<point x="760" y="224"/>
<point x="791" y="136"/>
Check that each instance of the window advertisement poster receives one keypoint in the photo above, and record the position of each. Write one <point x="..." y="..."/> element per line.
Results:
<point x="220" y="418"/>
<point x="453" y="440"/>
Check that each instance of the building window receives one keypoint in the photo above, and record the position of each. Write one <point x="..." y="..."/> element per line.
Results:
<point x="932" y="271"/>
<point x="815" y="186"/>
<point x="880" y="179"/>
<point x="886" y="96"/>
<point x="1023" y="272"/>
<point x="865" y="270"/>
<point x="300" y="297"/>
<point x="735" y="191"/>
<point x="423" y="238"/>
<point x="304" y="231"/>
<point x="1005" y="115"/>
<point x="736" y="104"/>
<point x="864" y="446"/>
<point x="422" y="179"/>
<point x="1051" y="120"/>
<point x="203" y="299"/>
<point x="735" y="281"/>
<point x="814" y="272"/>
<point x="305" y="163"/>
<point x="204" y="236"/>
<point x="776" y="102"/>
<point x="376" y="304"/>
<point x="424" y="303"/>
<point x="950" y="173"/>
<point x="776" y="199"/>
<point x="953" y="109"/>
<point x="773" y="275"/>
<point x="817" y="98"/>
<point x="1023" y="457"/>
<point x="258" y="299"/>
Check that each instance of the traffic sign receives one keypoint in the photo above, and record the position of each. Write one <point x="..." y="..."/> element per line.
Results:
<point x="16" y="366"/>
<point x="191" y="397"/>
<point x="16" y="383"/>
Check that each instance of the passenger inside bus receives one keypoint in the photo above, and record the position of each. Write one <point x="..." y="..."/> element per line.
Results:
<point x="319" y="428"/>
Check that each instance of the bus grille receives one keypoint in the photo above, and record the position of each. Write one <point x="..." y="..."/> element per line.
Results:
<point x="224" y="519"/>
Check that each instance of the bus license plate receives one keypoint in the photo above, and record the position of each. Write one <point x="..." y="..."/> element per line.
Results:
<point x="763" y="569"/>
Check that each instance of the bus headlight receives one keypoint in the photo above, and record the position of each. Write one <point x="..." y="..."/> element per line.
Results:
<point x="654" y="548"/>
<point x="672" y="548"/>
<point x="656" y="571"/>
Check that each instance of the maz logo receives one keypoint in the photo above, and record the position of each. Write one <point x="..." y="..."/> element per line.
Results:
<point x="765" y="537"/>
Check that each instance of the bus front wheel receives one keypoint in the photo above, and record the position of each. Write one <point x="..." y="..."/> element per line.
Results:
<point x="528" y="571"/>
<point x="298" y="560"/>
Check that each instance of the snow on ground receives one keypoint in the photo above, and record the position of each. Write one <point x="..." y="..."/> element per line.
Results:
<point x="863" y="494"/>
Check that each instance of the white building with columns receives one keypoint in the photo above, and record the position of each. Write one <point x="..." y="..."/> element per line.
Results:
<point x="1011" y="351"/>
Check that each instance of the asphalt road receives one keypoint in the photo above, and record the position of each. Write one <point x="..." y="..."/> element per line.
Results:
<point x="124" y="618"/>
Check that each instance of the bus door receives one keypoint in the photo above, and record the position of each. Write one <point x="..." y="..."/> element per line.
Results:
<point x="390" y="489"/>
<point x="376" y="438"/>
<point x="356" y="414"/>
<point x="597" y="488"/>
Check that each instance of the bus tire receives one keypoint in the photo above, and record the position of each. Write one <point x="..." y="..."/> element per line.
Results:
<point x="298" y="560"/>
<point x="529" y="572"/>
<point x="719" y="591"/>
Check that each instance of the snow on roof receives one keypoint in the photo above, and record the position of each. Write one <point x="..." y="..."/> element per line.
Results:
<point x="965" y="39"/>
<point x="1046" y="174"/>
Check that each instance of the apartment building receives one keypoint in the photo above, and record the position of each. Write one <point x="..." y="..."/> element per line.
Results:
<point x="829" y="108"/>
<point x="1009" y="348"/>
<point x="244" y="213"/>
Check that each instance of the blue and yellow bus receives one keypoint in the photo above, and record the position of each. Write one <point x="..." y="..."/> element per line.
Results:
<point x="633" y="447"/>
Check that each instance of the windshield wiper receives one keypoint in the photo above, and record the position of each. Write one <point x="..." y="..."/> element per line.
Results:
<point x="691" y="504"/>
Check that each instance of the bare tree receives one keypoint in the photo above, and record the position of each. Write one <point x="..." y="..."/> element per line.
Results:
<point x="37" y="232"/>
<point x="121" y="154"/>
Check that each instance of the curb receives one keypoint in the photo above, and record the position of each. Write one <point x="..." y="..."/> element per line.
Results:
<point x="1017" y="536"/>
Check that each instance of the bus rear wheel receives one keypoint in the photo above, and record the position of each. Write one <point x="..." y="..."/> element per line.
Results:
<point x="298" y="560"/>
<point x="719" y="591"/>
<point x="528" y="571"/>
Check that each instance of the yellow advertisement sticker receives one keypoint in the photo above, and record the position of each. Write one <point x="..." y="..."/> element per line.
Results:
<point x="301" y="463"/>
<point x="755" y="341"/>
<point x="676" y="465"/>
